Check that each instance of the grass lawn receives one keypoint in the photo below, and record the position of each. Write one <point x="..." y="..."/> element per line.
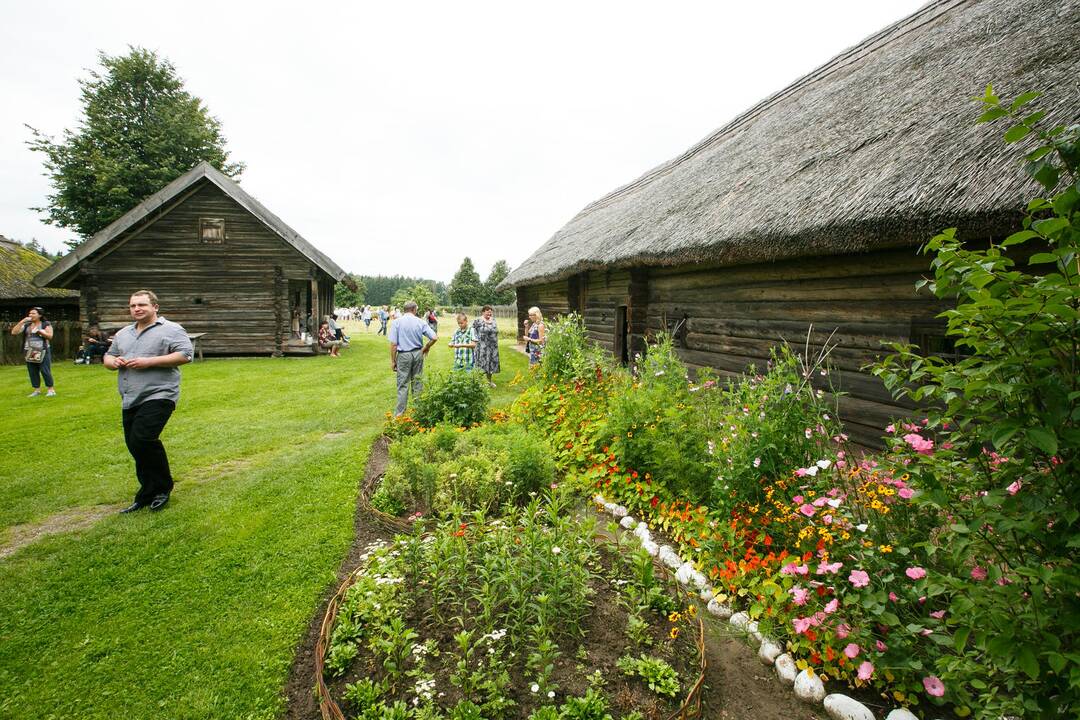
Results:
<point x="193" y="612"/>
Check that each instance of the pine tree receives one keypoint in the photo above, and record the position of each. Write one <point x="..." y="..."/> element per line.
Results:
<point x="466" y="288"/>
<point x="498" y="273"/>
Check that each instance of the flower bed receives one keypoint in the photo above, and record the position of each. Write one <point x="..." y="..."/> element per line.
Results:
<point x="523" y="616"/>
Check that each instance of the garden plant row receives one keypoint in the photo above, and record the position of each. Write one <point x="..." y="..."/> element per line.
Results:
<point x="939" y="573"/>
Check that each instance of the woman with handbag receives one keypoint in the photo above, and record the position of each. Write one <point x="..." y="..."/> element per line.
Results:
<point x="37" y="332"/>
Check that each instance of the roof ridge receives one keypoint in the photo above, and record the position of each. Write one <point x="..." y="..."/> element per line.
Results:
<point x="868" y="45"/>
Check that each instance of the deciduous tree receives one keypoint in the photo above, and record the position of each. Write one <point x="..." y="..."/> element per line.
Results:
<point x="140" y="130"/>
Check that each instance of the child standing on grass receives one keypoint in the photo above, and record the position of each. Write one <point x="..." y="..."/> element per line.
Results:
<point x="463" y="342"/>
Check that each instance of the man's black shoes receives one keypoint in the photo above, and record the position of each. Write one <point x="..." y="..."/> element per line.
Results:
<point x="133" y="507"/>
<point x="159" y="502"/>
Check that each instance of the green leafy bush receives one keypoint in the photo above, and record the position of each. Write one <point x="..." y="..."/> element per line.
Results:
<point x="482" y="468"/>
<point x="456" y="397"/>
<point x="657" y="674"/>
<point x="568" y="354"/>
<point x="998" y="459"/>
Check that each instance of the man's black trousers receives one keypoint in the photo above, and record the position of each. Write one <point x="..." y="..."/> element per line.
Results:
<point x="143" y="425"/>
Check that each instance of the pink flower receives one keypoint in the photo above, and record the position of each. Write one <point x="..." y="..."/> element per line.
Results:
<point x="788" y="569"/>
<point x="802" y="624"/>
<point x="933" y="686"/>
<point x="799" y="595"/>
<point x="797" y="499"/>
<point x="859" y="578"/>
<point x="1015" y="487"/>
<point x="852" y="650"/>
<point x="890" y="428"/>
<point x="892" y="596"/>
<point x="881" y="647"/>
<point x="808" y="510"/>
<point x="827" y="519"/>
<point x="842" y="630"/>
<point x="978" y="573"/>
<point x="937" y="614"/>
<point x="802" y="569"/>
<point x="831" y="606"/>
<point x="926" y="632"/>
<point x="919" y="444"/>
<point x="915" y="573"/>
<point x="829" y="568"/>
<point x="906" y="493"/>
<point x="866" y="670"/>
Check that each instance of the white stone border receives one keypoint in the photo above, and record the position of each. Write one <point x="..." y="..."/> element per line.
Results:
<point x="807" y="685"/>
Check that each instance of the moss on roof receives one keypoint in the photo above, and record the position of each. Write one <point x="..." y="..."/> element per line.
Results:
<point x="18" y="266"/>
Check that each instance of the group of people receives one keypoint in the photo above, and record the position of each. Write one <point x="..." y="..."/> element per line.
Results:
<point x="147" y="354"/>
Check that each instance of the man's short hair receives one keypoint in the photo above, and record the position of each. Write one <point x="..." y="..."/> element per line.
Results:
<point x="149" y="294"/>
<point x="410" y="306"/>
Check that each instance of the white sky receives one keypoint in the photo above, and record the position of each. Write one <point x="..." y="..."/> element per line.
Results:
<point x="399" y="137"/>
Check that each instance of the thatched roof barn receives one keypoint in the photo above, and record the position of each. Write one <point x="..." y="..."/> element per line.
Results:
<point x="18" y="266"/>
<point x="808" y="207"/>
<point x="221" y="263"/>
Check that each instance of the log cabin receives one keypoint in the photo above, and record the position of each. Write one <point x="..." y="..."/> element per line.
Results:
<point x="804" y="214"/>
<point x="220" y="262"/>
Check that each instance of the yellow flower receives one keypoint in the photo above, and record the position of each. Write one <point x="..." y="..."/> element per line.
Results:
<point x="675" y="616"/>
<point x="674" y="632"/>
<point x="692" y="611"/>
<point x="885" y="548"/>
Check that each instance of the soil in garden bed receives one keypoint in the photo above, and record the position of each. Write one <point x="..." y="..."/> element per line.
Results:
<point x="300" y="702"/>
<point x="604" y="642"/>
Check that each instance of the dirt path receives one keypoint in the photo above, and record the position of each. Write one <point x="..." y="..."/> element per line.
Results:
<point x="65" y="521"/>
<point x="739" y="686"/>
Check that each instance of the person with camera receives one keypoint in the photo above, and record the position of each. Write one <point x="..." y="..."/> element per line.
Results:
<point x="37" y="333"/>
<point x="146" y="356"/>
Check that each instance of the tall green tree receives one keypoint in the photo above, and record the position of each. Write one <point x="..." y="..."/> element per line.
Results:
<point x="466" y="288"/>
<point x="140" y="130"/>
<point x="344" y="296"/>
<point x="420" y="293"/>
<point x="498" y="273"/>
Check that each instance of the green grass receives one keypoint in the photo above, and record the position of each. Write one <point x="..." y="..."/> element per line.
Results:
<point x="193" y="612"/>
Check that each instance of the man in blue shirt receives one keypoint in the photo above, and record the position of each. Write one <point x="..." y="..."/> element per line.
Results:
<point x="407" y="351"/>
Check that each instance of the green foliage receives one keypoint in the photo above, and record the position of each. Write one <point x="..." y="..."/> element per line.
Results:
<point x="483" y="468"/>
<point x="457" y="397"/>
<point x="382" y="288"/>
<point x="654" y="425"/>
<point x="490" y="295"/>
<point x="1008" y="570"/>
<point x="420" y="293"/>
<point x="591" y="706"/>
<point x="569" y="356"/>
<point x="139" y="131"/>
<point x="344" y="296"/>
<point x="661" y="678"/>
<point x="465" y="287"/>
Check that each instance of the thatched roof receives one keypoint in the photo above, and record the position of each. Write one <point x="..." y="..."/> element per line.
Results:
<point x="876" y="148"/>
<point x="18" y="265"/>
<point x="65" y="270"/>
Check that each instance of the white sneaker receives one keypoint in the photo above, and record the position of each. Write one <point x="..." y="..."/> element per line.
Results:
<point x="34" y="394"/>
<point x="51" y="393"/>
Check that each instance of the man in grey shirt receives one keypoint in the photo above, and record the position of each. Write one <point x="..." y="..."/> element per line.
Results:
<point x="147" y="354"/>
<point x="407" y="351"/>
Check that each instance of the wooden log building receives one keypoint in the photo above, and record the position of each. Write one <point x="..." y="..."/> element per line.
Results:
<point x="219" y="261"/>
<point x="18" y="266"/>
<point x="808" y="208"/>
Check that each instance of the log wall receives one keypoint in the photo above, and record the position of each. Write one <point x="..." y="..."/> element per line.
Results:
<point x="235" y="291"/>
<point x="730" y="318"/>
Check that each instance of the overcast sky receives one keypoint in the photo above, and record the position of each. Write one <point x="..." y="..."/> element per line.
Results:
<point x="400" y="137"/>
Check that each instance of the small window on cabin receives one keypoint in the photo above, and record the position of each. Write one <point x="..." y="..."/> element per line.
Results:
<point x="212" y="230"/>
<point x="931" y="339"/>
